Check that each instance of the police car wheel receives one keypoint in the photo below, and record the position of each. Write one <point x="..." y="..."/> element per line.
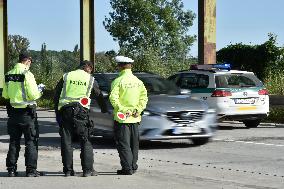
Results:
<point x="252" y="123"/>
<point x="200" y="141"/>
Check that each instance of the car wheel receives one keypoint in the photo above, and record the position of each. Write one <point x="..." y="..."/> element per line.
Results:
<point x="200" y="141"/>
<point x="252" y="123"/>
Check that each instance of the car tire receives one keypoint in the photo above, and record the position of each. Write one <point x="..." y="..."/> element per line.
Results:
<point x="200" y="141"/>
<point x="252" y="123"/>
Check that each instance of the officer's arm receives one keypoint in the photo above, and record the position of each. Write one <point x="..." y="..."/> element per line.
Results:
<point x="5" y="91"/>
<point x="6" y="97"/>
<point x="97" y="94"/>
<point x="58" y="90"/>
<point x="143" y="99"/>
<point x="114" y="97"/>
<point x="31" y="87"/>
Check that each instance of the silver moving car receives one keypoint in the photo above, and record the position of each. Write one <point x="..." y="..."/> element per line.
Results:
<point x="168" y="115"/>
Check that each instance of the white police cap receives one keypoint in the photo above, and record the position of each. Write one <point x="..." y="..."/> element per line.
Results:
<point x="123" y="59"/>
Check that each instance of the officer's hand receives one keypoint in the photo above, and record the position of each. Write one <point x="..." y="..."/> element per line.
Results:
<point x="128" y="114"/>
<point x="41" y="87"/>
<point x="135" y="113"/>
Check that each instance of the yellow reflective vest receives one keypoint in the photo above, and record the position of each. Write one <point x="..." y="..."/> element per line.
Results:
<point x="76" y="85"/>
<point x="20" y="87"/>
<point x="127" y="94"/>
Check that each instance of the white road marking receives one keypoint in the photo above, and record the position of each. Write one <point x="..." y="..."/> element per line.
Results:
<point x="249" y="142"/>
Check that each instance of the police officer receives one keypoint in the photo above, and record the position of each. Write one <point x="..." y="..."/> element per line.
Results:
<point x="72" y="104"/>
<point x="129" y="98"/>
<point x="21" y="91"/>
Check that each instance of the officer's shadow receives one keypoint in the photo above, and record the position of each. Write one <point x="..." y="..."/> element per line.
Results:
<point x="54" y="174"/>
<point x="77" y="174"/>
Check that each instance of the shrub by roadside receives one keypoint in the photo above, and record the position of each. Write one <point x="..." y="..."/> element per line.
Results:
<point x="276" y="115"/>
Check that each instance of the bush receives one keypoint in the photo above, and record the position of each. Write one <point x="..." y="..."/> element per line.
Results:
<point x="45" y="103"/>
<point x="276" y="115"/>
<point x="274" y="80"/>
<point x="255" y="58"/>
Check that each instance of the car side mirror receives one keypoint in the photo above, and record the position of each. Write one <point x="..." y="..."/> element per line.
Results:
<point x="185" y="91"/>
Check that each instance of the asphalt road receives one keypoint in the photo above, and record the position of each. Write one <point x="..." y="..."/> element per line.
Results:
<point x="237" y="157"/>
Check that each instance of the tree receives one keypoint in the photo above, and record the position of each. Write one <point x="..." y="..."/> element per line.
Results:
<point x="46" y="64"/>
<point x="255" y="58"/>
<point x="141" y="26"/>
<point x="16" y="45"/>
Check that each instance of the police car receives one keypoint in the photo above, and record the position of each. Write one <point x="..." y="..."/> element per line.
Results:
<point x="234" y="94"/>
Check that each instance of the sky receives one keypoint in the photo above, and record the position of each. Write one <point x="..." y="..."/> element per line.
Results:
<point x="57" y="22"/>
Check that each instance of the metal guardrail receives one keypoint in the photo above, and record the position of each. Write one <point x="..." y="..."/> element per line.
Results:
<point x="276" y="101"/>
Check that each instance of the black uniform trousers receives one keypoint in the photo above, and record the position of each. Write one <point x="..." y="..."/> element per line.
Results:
<point x="75" y="124"/>
<point x="22" y="121"/>
<point x="127" y="142"/>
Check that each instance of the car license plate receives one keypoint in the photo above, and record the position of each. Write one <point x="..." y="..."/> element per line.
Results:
<point x="186" y="130"/>
<point x="244" y="100"/>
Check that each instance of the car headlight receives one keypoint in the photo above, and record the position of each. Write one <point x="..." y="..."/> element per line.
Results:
<point x="150" y="113"/>
<point x="147" y="113"/>
<point x="211" y="111"/>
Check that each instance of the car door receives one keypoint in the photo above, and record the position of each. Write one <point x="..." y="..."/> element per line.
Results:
<point x="103" y="121"/>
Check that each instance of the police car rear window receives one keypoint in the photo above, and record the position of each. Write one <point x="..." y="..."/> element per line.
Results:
<point x="237" y="81"/>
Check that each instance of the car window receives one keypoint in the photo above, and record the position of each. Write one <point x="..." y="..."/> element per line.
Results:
<point x="103" y="83"/>
<point x="237" y="81"/>
<point x="157" y="85"/>
<point x="189" y="81"/>
<point x="154" y="85"/>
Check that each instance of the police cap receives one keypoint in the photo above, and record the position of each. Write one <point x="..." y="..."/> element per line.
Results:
<point x="123" y="60"/>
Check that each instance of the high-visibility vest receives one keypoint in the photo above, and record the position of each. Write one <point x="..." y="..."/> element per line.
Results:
<point x="77" y="84"/>
<point x="20" y="87"/>
<point x="128" y="93"/>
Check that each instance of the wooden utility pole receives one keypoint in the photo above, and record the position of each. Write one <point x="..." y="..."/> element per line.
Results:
<point x="206" y="31"/>
<point x="87" y="30"/>
<point x="3" y="41"/>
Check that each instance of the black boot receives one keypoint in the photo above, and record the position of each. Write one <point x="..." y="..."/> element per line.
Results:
<point x="69" y="173"/>
<point x="88" y="173"/>
<point x="124" y="172"/>
<point x="12" y="172"/>
<point x="32" y="173"/>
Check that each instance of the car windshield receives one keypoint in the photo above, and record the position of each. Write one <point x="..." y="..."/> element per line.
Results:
<point x="157" y="85"/>
<point x="153" y="84"/>
<point x="237" y="81"/>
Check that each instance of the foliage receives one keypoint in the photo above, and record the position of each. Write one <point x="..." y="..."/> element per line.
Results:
<point x="150" y="61"/>
<point x="276" y="115"/>
<point x="274" y="80"/>
<point x="105" y="62"/>
<point x="16" y="45"/>
<point x="159" y="26"/>
<point x="255" y="58"/>
<point x="45" y="103"/>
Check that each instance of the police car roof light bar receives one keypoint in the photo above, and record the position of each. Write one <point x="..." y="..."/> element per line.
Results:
<point x="224" y="66"/>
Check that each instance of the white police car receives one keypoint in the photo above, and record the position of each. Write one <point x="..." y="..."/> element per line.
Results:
<point x="235" y="95"/>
